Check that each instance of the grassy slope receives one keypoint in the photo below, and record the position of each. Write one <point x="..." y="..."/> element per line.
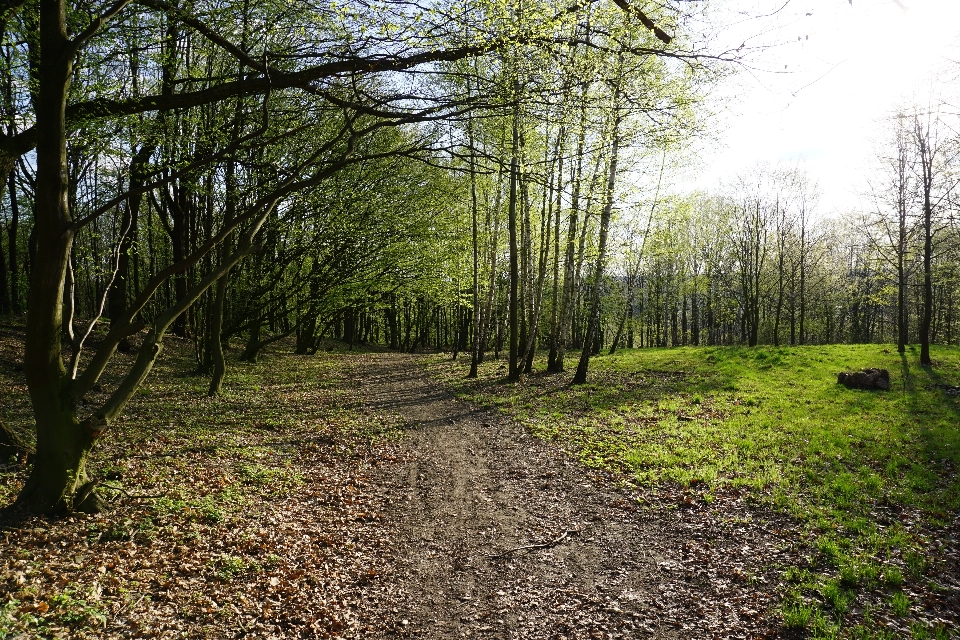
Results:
<point x="869" y="477"/>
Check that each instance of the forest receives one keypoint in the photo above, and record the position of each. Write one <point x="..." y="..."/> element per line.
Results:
<point x="198" y="196"/>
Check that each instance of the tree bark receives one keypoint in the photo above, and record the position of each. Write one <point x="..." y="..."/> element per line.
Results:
<point x="62" y="443"/>
<point x="594" y="320"/>
<point x="513" y="371"/>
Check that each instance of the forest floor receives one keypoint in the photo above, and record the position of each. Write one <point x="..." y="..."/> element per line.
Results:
<point x="348" y="494"/>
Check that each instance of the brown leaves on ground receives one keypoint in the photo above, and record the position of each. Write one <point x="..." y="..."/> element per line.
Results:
<point x="250" y="515"/>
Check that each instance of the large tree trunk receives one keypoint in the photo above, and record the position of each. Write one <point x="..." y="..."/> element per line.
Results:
<point x="62" y="443"/>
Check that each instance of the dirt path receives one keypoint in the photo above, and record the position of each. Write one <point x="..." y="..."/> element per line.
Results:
<point x="477" y="489"/>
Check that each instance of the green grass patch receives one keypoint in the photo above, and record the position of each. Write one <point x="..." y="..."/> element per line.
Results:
<point x="796" y="614"/>
<point x="899" y="604"/>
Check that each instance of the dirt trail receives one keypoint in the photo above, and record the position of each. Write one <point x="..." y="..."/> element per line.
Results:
<point x="478" y="488"/>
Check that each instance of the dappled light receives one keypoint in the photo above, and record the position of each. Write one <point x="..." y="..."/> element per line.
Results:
<point x="520" y="319"/>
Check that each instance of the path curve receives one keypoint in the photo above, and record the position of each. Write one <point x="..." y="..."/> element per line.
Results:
<point x="477" y="488"/>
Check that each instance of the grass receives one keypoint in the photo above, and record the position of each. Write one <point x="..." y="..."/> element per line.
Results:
<point x="869" y="477"/>
<point x="796" y="614"/>
<point x="899" y="604"/>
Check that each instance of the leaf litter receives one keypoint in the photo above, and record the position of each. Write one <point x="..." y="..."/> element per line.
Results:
<point x="250" y="515"/>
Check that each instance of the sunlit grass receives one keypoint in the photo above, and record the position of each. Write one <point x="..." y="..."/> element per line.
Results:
<point x="864" y="473"/>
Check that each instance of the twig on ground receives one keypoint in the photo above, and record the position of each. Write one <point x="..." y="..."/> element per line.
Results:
<point x="542" y="545"/>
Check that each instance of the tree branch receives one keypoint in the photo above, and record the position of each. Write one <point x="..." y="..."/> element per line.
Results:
<point x="74" y="46"/>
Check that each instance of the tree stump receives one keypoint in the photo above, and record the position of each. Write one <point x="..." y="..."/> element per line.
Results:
<point x="867" y="379"/>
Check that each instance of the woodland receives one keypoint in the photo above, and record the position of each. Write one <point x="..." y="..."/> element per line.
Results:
<point x="209" y="207"/>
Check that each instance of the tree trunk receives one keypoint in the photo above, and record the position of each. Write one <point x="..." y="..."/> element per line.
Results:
<point x="803" y="282"/>
<point x="554" y="300"/>
<point x="566" y="300"/>
<point x="695" y="315"/>
<point x="252" y="351"/>
<point x="4" y="297"/>
<point x="62" y="443"/>
<point x="525" y="242"/>
<point x="623" y="321"/>
<point x="925" y="318"/>
<point x="594" y="320"/>
<point x="902" y="286"/>
<point x="15" y="305"/>
<point x="216" y="337"/>
<point x="513" y="369"/>
<point x="928" y="153"/>
<point x="903" y="188"/>
<point x="475" y="350"/>
<point x="117" y="300"/>
<point x="542" y="259"/>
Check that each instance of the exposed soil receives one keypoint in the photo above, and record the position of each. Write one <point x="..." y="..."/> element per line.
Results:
<point x="502" y="535"/>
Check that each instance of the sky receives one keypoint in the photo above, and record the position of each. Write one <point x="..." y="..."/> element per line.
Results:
<point x="818" y="82"/>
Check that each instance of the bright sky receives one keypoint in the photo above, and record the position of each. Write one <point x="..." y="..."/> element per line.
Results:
<point x="822" y="81"/>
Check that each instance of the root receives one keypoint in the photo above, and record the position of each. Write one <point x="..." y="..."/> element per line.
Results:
<point x="11" y="444"/>
<point x="129" y="495"/>
<point x="88" y="500"/>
